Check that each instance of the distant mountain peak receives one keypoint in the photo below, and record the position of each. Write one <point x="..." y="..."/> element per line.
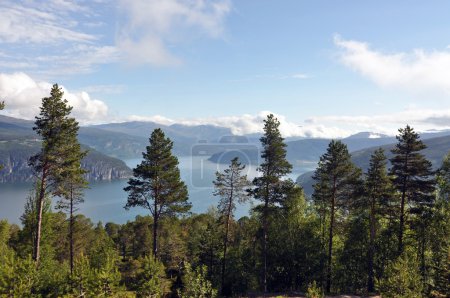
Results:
<point x="367" y="135"/>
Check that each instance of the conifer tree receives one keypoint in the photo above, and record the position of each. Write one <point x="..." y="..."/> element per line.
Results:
<point x="156" y="185"/>
<point x="440" y="234"/>
<point x="231" y="186"/>
<point x="336" y="180"/>
<point x="412" y="177"/>
<point x="56" y="129"/>
<point x="378" y="194"/>
<point x="268" y="187"/>
<point x="70" y="184"/>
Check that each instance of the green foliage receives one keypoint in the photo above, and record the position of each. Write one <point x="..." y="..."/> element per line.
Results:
<point x="269" y="186"/>
<point x="314" y="291"/>
<point x="412" y="177"/>
<point x="59" y="155"/>
<point x="91" y="281"/>
<point x="402" y="279"/>
<point x="150" y="279"/>
<point x="196" y="284"/>
<point x="337" y="189"/>
<point x="156" y="185"/>
<point x="18" y="277"/>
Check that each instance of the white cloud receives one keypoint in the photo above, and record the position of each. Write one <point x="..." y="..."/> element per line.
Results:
<point x="23" y="95"/>
<point x="151" y="25"/>
<point x="249" y="124"/>
<point x="421" y="119"/>
<point x="418" y="70"/>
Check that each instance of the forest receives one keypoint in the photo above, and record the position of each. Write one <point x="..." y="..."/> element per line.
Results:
<point x="380" y="232"/>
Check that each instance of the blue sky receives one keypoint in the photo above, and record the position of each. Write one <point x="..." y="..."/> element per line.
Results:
<point x="326" y="68"/>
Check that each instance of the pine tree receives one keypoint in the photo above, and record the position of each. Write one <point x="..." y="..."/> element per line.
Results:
<point x="378" y="194"/>
<point x="156" y="185"/>
<point x="70" y="184"/>
<point x="336" y="180"/>
<point x="267" y="187"/>
<point x="56" y="129"/>
<point x="232" y="187"/>
<point x="412" y="177"/>
<point x="440" y="234"/>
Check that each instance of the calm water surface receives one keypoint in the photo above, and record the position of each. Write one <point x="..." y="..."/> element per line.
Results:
<point x="104" y="201"/>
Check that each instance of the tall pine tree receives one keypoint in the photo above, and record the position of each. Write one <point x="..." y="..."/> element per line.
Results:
<point x="268" y="187"/>
<point x="336" y="182"/>
<point x="71" y="183"/>
<point x="378" y="196"/>
<point x="156" y="185"/>
<point x="412" y="177"/>
<point x="231" y="186"/>
<point x="56" y="129"/>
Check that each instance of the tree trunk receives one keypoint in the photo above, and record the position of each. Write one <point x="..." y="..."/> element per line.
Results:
<point x="402" y="221"/>
<point x="225" y="240"/>
<point x="266" y="206"/>
<point x="71" y="223"/>
<point x="40" y="207"/>
<point x="370" y="280"/>
<point x="402" y="209"/>
<point x="330" y="237"/>
<point x="155" y="235"/>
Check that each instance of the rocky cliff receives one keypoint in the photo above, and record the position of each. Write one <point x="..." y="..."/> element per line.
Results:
<point x="14" y="155"/>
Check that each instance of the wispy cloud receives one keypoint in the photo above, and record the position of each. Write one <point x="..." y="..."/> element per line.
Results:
<point x="39" y="23"/>
<point x="151" y="25"/>
<point x="417" y="70"/>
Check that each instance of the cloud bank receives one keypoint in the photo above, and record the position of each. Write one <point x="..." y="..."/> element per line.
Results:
<point x="418" y="70"/>
<point x="23" y="95"/>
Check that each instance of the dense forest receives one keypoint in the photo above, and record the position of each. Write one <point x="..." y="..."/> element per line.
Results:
<point x="383" y="231"/>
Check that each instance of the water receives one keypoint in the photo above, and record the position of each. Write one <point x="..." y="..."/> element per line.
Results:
<point x="104" y="201"/>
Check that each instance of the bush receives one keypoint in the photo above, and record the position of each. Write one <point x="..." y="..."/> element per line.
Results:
<point x="401" y="279"/>
<point x="196" y="284"/>
<point x="314" y="291"/>
<point x="150" y="280"/>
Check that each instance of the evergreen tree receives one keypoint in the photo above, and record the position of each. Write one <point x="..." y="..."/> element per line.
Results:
<point x="70" y="185"/>
<point x="412" y="177"/>
<point x="336" y="180"/>
<point x="150" y="279"/>
<point x="156" y="185"/>
<point x="196" y="283"/>
<point x="267" y="187"/>
<point x="401" y="279"/>
<point x="231" y="186"/>
<point x="440" y="234"/>
<point x="378" y="195"/>
<point x="56" y="129"/>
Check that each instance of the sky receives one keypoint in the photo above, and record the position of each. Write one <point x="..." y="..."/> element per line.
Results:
<point x="324" y="68"/>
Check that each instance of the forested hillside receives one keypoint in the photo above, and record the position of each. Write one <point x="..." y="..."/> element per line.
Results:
<point x="364" y="232"/>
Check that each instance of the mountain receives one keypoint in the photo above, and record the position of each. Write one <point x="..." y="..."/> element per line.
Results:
<point x="114" y="144"/>
<point x="437" y="148"/>
<point x="184" y="137"/>
<point x="14" y="155"/>
<point x="18" y="142"/>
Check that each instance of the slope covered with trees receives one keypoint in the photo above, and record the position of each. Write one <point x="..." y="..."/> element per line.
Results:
<point x="371" y="233"/>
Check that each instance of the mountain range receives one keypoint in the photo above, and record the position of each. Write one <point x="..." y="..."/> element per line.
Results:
<point x="110" y="144"/>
